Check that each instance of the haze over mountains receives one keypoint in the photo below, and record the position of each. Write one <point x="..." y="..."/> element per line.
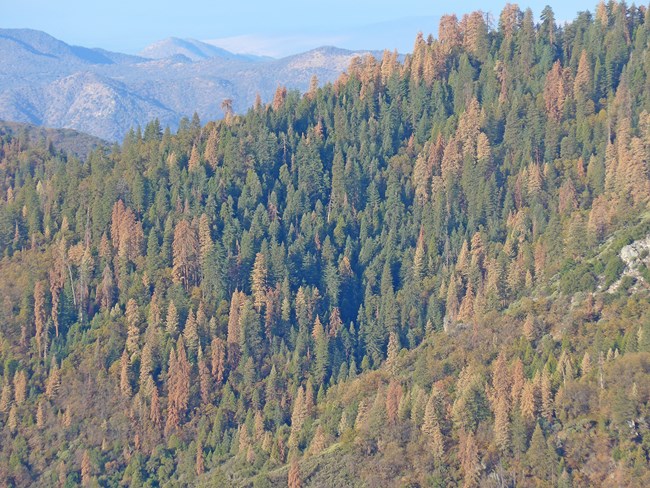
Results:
<point x="44" y="81"/>
<point x="194" y="50"/>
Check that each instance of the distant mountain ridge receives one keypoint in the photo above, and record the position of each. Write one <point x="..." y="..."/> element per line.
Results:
<point x="44" y="81"/>
<point x="43" y="46"/>
<point x="193" y="50"/>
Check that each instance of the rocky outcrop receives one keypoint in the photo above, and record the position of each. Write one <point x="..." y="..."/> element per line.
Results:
<point x="636" y="257"/>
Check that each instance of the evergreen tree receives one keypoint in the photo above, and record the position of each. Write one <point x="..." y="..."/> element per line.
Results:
<point x="258" y="281"/>
<point x="39" y="315"/>
<point x="186" y="255"/>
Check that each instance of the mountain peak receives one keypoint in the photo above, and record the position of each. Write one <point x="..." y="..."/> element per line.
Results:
<point x="190" y="48"/>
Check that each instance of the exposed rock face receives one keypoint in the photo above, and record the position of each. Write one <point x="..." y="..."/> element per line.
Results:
<point x="636" y="256"/>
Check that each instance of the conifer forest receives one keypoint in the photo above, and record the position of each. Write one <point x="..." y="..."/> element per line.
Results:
<point x="432" y="272"/>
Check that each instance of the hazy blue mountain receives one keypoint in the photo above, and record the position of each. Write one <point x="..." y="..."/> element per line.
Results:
<point x="193" y="50"/>
<point x="45" y="81"/>
<point x="27" y="50"/>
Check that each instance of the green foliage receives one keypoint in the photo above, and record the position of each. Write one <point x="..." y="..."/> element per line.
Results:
<point x="613" y="269"/>
<point x="360" y="276"/>
<point x="577" y="277"/>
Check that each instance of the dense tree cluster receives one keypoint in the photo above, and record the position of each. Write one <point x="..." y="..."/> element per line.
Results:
<point x="408" y="277"/>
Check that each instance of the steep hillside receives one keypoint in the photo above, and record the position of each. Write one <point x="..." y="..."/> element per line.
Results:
<point x="428" y="273"/>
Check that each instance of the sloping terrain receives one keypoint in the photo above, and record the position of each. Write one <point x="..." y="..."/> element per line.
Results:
<point x="66" y="140"/>
<point x="430" y="272"/>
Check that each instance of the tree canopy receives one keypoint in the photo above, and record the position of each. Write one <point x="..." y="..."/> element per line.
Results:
<point x="412" y="276"/>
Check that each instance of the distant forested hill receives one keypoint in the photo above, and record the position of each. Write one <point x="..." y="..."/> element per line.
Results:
<point x="428" y="273"/>
<point x="69" y="141"/>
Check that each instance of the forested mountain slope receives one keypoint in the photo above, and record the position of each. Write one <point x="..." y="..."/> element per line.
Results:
<point x="429" y="273"/>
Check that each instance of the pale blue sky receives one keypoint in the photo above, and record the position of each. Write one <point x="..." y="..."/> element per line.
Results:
<point x="267" y="27"/>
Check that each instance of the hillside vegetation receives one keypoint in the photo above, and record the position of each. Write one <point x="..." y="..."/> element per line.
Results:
<point x="410" y="277"/>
